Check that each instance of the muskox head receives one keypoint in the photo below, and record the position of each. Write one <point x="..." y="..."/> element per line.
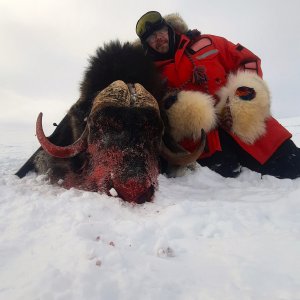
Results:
<point x="122" y="142"/>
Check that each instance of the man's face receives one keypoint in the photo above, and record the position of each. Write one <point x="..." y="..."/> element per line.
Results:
<point x="159" y="40"/>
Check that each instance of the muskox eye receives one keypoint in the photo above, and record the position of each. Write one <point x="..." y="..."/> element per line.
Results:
<point x="111" y="125"/>
<point x="151" y="131"/>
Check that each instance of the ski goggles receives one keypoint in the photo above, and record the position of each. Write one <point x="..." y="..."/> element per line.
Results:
<point x="148" y="23"/>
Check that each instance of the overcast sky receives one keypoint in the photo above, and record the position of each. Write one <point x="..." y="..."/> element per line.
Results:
<point x="45" y="45"/>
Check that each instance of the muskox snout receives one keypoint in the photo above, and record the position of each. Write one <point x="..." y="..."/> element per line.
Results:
<point x="136" y="182"/>
<point x="135" y="191"/>
<point x="147" y="196"/>
<point x="138" y="177"/>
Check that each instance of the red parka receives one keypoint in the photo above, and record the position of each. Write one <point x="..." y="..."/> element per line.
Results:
<point x="216" y="58"/>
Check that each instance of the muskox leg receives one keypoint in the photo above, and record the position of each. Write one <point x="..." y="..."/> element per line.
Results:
<point x="59" y="168"/>
<point x="29" y="165"/>
<point x="56" y="168"/>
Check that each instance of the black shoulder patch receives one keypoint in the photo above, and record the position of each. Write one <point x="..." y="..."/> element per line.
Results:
<point x="239" y="47"/>
<point x="182" y="44"/>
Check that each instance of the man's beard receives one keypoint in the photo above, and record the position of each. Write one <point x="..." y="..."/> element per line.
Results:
<point x="163" y="46"/>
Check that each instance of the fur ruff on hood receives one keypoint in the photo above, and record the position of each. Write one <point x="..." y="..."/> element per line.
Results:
<point x="176" y="22"/>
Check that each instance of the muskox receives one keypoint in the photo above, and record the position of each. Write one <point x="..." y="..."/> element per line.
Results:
<point x="113" y="137"/>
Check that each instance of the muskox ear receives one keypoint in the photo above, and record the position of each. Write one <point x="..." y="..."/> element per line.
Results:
<point x="61" y="136"/>
<point x="60" y="151"/>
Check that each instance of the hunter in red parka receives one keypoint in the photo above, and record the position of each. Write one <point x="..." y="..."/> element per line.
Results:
<point x="217" y="85"/>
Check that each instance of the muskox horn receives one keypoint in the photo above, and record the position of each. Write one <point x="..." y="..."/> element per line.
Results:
<point x="183" y="158"/>
<point x="59" y="151"/>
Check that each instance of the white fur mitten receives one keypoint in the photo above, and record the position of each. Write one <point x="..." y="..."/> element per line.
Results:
<point x="189" y="113"/>
<point x="246" y="98"/>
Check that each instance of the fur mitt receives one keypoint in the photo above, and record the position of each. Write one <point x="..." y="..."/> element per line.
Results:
<point x="189" y="113"/>
<point x="246" y="99"/>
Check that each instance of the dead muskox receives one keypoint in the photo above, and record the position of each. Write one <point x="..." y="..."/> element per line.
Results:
<point x="114" y="135"/>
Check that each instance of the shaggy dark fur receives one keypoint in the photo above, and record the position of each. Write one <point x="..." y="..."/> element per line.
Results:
<point x="114" y="61"/>
<point x="119" y="62"/>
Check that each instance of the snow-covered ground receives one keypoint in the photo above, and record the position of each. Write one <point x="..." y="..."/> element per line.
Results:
<point x="203" y="237"/>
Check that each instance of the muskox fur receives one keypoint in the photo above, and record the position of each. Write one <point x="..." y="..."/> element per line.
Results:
<point x="114" y="61"/>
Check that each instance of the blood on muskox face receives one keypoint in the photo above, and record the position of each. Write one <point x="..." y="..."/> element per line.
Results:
<point x="125" y="141"/>
<point x="122" y="141"/>
<point x="121" y="144"/>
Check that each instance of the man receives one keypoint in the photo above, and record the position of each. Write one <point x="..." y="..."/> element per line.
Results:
<point x="218" y="86"/>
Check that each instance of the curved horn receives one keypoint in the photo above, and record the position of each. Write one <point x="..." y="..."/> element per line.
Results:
<point x="59" y="151"/>
<point x="183" y="159"/>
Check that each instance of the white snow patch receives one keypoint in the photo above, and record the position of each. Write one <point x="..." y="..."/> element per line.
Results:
<point x="203" y="236"/>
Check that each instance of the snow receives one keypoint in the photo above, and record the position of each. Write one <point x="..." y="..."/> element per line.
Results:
<point x="203" y="237"/>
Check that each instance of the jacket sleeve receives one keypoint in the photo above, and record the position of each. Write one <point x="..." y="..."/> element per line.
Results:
<point x="237" y="57"/>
